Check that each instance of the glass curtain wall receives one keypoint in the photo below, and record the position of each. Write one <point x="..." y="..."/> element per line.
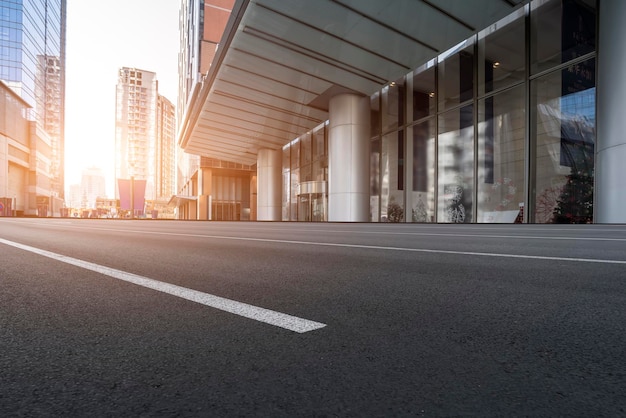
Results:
<point x="305" y="176"/>
<point x="501" y="128"/>
<point x="563" y="41"/>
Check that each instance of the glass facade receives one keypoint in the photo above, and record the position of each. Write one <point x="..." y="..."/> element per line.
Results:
<point x="32" y="63"/>
<point x="499" y="129"/>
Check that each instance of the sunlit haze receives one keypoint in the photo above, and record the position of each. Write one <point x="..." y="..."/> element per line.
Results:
<point x="103" y="36"/>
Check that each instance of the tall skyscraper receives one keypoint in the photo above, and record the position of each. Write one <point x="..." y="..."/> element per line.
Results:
<point x="32" y="63"/>
<point x="144" y="133"/>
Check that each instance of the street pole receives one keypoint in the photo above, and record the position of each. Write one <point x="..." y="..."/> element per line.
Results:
<point x="132" y="197"/>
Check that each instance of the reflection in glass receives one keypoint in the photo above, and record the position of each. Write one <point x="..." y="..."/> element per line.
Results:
<point x="563" y="104"/>
<point x="424" y="101"/>
<point x="456" y="165"/>
<point x="286" y="196"/>
<point x="375" y="180"/>
<point x="501" y="53"/>
<point x="393" y="105"/>
<point x="295" y="154"/>
<point x="286" y="182"/>
<point x="305" y="149"/>
<point x="375" y="114"/>
<point x="320" y="155"/>
<point x="561" y="30"/>
<point x="456" y="76"/>
<point x="421" y="199"/>
<point x="501" y="156"/>
<point x="392" y="178"/>
<point x="295" y="187"/>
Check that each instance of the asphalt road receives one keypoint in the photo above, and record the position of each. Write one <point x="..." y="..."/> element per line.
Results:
<point x="172" y="318"/>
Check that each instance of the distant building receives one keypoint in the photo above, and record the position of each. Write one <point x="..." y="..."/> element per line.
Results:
<point x="92" y="186"/>
<point x="145" y="136"/>
<point x="32" y="63"/>
<point x="25" y="162"/>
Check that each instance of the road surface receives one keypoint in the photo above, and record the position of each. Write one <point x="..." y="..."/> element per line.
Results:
<point x="184" y="318"/>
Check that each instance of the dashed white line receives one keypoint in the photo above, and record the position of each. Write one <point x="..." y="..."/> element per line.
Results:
<point x="282" y="320"/>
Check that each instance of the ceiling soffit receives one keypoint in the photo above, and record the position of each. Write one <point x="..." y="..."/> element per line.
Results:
<point x="280" y="62"/>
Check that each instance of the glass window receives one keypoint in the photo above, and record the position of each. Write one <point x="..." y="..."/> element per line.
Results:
<point x="421" y="144"/>
<point x="305" y="149"/>
<point x="295" y="188"/>
<point x="375" y="180"/>
<point x="501" y="53"/>
<point x="456" y="165"/>
<point x="392" y="177"/>
<point x="563" y="124"/>
<point x="456" y="76"/>
<point x="423" y="100"/>
<point x="295" y="154"/>
<point x="393" y="105"/>
<point x="501" y="157"/>
<point x="561" y="30"/>
<point x="375" y="114"/>
<point x="286" y="195"/>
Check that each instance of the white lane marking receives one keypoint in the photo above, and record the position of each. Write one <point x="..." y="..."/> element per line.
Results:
<point x="292" y="323"/>
<point x="372" y="247"/>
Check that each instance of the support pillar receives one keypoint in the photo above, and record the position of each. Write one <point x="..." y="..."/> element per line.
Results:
<point x="610" y="198"/>
<point x="349" y="159"/>
<point x="269" y="194"/>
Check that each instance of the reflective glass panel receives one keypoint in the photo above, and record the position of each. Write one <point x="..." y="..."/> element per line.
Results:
<point x="501" y="54"/>
<point x="286" y="196"/>
<point x="375" y="114"/>
<point x="563" y="123"/>
<point x="421" y="182"/>
<point x="456" y="76"/>
<point x="393" y="105"/>
<point x="295" y="154"/>
<point x="305" y="149"/>
<point x="456" y="165"/>
<point x="392" y="178"/>
<point x="375" y="180"/>
<point x="561" y="30"/>
<point x="501" y="157"/>
<point x="295" y="187"/>
<point x="424" y="102"/>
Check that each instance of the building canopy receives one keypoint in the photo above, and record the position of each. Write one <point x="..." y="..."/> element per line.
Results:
<point x="279" y="62"/>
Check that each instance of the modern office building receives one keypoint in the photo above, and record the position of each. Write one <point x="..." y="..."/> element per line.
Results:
<point x="32" y="63"/>
<point x="25" y="161"/>
<point x="144" y="136"/>
<point x="420" y="111"/>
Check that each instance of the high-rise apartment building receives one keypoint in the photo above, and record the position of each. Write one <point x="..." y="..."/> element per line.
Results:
<point x="32" y="63"/>
<point x="165" y="149"/>
<point x="144" y="134"/>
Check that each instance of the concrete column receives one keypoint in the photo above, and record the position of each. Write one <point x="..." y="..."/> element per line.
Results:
<point x="610" y="194"/>
<point x="269" y="194"/>
<point x="349" y="159"/>
<point x="205" y="176"/>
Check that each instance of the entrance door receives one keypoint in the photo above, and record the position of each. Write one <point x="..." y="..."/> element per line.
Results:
<point x="312" y="202"/>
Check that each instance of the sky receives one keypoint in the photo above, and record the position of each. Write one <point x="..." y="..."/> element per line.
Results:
<point x="102" y="37"/>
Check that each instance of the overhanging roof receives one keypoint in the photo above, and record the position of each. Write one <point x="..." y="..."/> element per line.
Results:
<point x="280" y="61"/>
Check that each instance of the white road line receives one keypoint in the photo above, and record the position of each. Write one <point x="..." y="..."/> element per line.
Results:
<point x="267" y="316"/>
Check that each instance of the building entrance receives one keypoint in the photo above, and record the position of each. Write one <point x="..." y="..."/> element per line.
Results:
<point x="313" y="202"/>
